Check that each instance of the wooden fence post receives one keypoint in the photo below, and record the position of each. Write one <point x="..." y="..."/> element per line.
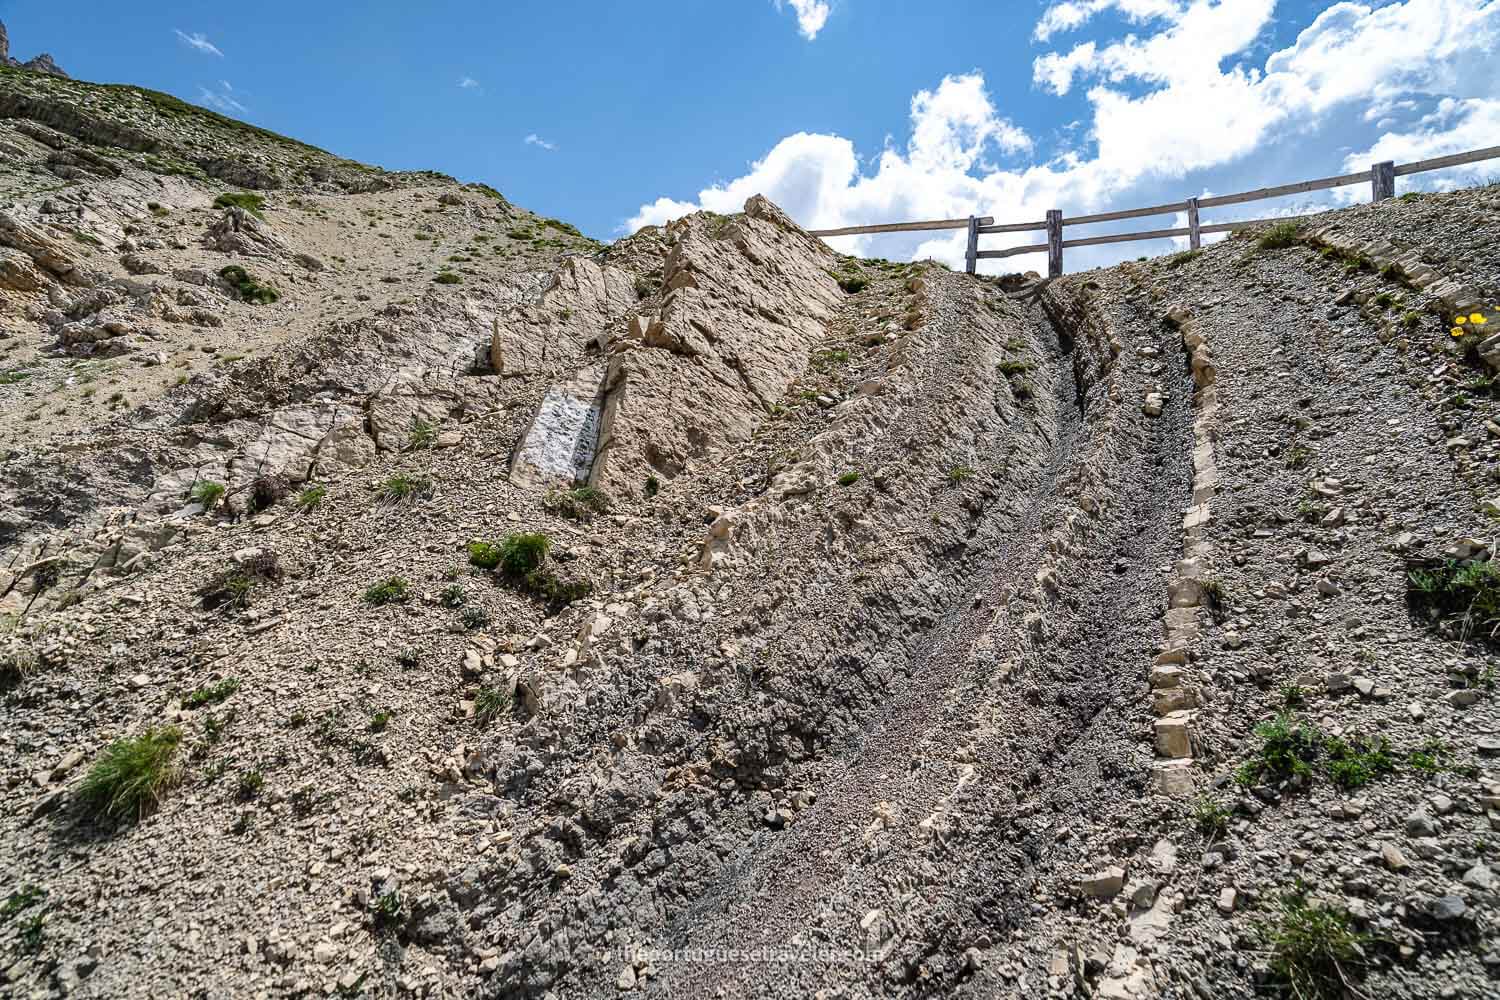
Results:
<point x="971" y="256"/>
<point x="1383" y="180"/>
<point x="1194" y="240"/>
<point x="1054" y="242"/>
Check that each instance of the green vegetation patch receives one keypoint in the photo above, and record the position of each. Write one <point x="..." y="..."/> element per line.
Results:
<point x="249" y="288"/>
<point x="1280" y="236"/>
<point x="132" y="775"/>
<point x="241" y="199"/>
<point x="1465" y="590"/>
<point x="582" y="503"/>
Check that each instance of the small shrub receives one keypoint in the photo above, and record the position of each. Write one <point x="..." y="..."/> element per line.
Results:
<point x="1354" y="764"/>
<point x="1385" y="300"/>
<point x="212" y="694"/>
<point x="490" y="704"/>
<point x="423" y="435"/>
<point x="1297" y="456"/>
<point x="522" y="553"/>
<point x="380" y="720"/>
<point x="1465" y="587"/>
<point x="241" y="199"/>
<point x="392" y="590"/>
<point x="404" y="489"/>
<point x="311" y="497"/>
<point x="1411" y="319"/>
<point x="248" y="287"/>
<point x="853" y="283"/>
<point x="1314" y="954"/>
<point x="653" y="486"/>
<point x="131" y="775"/>
<point x="207" y="493"/>
<point x="1279" y="236"/>
<point x="448" y="278"/>
<point x="268" y="491"/>
<point x="1210" y="818"/>
<point x="1432" y="758"/>
<point x="1012" y="367"/>
<point x="485" y="555"/>
<point x="1288" y="747"/>
<point x="579" y="504"/>
<point x="251" y="782"/>
<point x="235" y="585"/>
<point x="1293" y="696"/>
<point x="453" y="596"/>
<point x="959" y="473"/>
<point x="1178" y="259"/>
<point x="849" y="478"/>
<point x="474" y="617"/>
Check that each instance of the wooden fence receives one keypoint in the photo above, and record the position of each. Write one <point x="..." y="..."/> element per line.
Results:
<point x="1381" y="177"/>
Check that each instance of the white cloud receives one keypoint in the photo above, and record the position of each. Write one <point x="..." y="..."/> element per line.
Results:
<point x="535" y="140"/>
<point x="197" y="41"/>
<point x="1070" y="14"/>
<point x="222" y="101"/>
<point x="468" y="83"/>
<point x="1166" y="120"/>
<point x="811" y="15"/>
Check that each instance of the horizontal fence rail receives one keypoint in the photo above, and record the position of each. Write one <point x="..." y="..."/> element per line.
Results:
<point x="1380" y="176"/>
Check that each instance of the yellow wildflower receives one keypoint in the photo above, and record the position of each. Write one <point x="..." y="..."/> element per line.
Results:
<point x="1478" y="318"/>
<point x="1460" y="320"/>
<point x="1457" y="331"/>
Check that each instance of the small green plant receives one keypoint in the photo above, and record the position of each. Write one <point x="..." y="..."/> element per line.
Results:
<point x="1011" y="367"/>
<point x="392" y="590"/>
<point x="1210" y="818"/>
<point x="1467" y="590"/>
<point x="1178" y="259"/>
<point x="849" y="478"/>
<point x="1293" y="695"/>
<point x="490" y="704"/>
<point x="1314" y="955"/>
<point x="387" y="912"/>
<point x="453" y="595"/>
<point x="1433" y="757"/>
<point x="380" y="720"/>
<point x="311" y="497"/>
<point x="405" y="489"/>
<point x="581" y="503"/>
<point x="22" y="899"/>
<point x="522" y="552"/>
<point x="132" y="775"/>
<point x="251" y="783"/>
<point x="241" y="199"/>
<point x="959" y="473"/>
<point x="1280" y="236"/>
<point x="207" y="494"/>
<point x="1288" y="747"/>
<point x="1297" y="456"/>
<point x="653" y="486"/>
<point x="474" y="617"/>
<point x="1355" y="763"/>
<point x="448" y="278"/>
<point x="423" y="435"/>
<point x="485" y="555"/>
<point x="249" y="288"/>
<point x="1385" y="299"/>
<point x="212" y="694"/>
<point x="853" y="283"/>
<point x="235" y="585"/>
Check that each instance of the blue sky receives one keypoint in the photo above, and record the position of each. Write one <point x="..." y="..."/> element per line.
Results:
<point x="845" y="111"/>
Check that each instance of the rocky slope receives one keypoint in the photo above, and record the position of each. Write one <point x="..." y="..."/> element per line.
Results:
<point x="893" y="632"/>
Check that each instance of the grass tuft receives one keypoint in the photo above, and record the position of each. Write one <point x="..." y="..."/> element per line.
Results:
<point x="1314" y="953"/>
<point x="392" y="590"/>
<point x="132" y="775"/>
<point x="581" y="503"/>
<point x="1279" y="236"/>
